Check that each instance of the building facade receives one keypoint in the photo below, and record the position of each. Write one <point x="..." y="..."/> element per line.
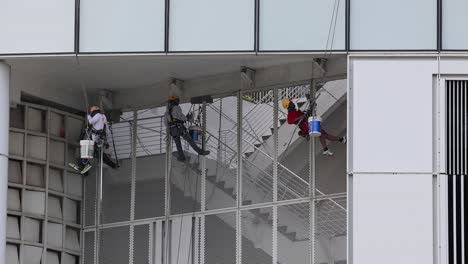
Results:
<point x="390" y="75"/>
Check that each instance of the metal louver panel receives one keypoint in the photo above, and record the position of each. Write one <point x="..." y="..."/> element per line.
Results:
<point x="457" y="169"/>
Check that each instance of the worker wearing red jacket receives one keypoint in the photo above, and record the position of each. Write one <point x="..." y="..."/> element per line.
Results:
<point x="299" y="118"/>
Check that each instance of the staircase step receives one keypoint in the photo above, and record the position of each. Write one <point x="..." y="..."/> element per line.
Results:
<point x="265" y="216"/>
<point x="258" y="145"/>
<point x="291" y="236"/>
<point x="300" y="104"/>
<point x="230" y="191"/>
<point x="211" y="178"/>
<point x="248" y="154"/>
<point x="265" y="138"/>
<point x="248" y="202"/>
<point x="282" y="121"/>
<point x="282" y="229"/>
<point x="221" y="185"/>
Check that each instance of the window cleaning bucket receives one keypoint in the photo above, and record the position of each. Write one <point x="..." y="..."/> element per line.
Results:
<point x="86" y="149"/>
<point x="195" y="132"/>
<point x="315" y="126"/>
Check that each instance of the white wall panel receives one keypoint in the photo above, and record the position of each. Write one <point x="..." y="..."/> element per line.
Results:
<point x="301" y="24"/>
<point x="121" y="25"/>
<point x="46" y="26"/>
<point x="211" y="25"/>
<point x="392" y="114"/>
<point x="396" y="24"/>
<point x="392" y="219"/>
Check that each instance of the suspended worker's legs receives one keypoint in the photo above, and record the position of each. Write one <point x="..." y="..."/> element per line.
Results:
<point x="194" y="145"/>
<point x="108" y="161"/>
<point x="323" y="140"/>
<point x="180" y="151"/>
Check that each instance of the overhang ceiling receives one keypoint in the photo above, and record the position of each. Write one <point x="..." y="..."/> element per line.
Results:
<point x="47" y="77"/>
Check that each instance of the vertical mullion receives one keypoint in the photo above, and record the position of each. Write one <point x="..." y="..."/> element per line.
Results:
<point x="463" y="153"/>
<point x="464" y="186"/>
<point x="456" y="96"/>
<point x="203" y="189"/>
<point x="166" y="25"/>
<point x="458" y="219"/>
<point x="167" y="193"/>
<point x="449" y="147"/>
<point x="132" y="187"/>
<point x="448" y="123"/>
<point x="312" y="215"/>
<point x="275" y="177"/>
<point x="239" y="180"/>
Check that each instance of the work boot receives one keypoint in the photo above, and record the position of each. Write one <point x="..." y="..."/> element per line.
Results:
<point x="205" y="153"/>
<point x="86" y="168"/>
<point x="327" y="152"/>
<point x="343" y="140"/>
<point x="74" y="166"/>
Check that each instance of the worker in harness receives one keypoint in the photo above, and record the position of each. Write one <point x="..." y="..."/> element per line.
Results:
<point x="299" y="118"/>
<point x="175" y="120"/>
<point x="97" y="131"/>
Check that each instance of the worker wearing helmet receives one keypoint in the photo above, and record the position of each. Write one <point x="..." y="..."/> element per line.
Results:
<point x="299" y="118"/>
<point x="98" y="125"/>
<point x="175" y="120"/>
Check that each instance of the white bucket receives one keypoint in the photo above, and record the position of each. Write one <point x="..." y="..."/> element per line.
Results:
<point x="86" y="149"/>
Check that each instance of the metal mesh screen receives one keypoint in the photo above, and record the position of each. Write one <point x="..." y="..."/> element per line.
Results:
<point x="141" y="246"/>
<point x="115" y="245"/>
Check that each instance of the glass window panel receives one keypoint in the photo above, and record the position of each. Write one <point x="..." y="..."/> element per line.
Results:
<point x="302" y="25"/>
<point x="211" y="25"/>
<point x="115" y="245"/>
<point x="150" y="165"/>
<point x="257" y="147"/>
<point x="221" y="127"/>
<point x="116" y="193"/>
<point x="57" y="125"/>
<point x="293" y="148"/>
<point x="185" y="176"/>
<point x="257" y="235"/>
<point x="17" y="117"/>
<point x="181" y="239"/>
<point x="141" y="253"/>
<point x="454" y="24"/>
<point x="90" y="198"/>
<point x="220" y="250"/>
<point x="89" y="247"/>
<point x="117" y="182"/>
<point x="293" y="234"/>
<point x="330" y="229"/>
<point x="391" y="25"/>
<point x="136" y="25"/>
<point x="15" y="171"/>
<point x="39" y="26"/>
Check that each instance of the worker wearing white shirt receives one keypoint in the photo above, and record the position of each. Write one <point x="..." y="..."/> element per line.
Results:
<point x="98" y="123"/>
<point x="96" y="118"/>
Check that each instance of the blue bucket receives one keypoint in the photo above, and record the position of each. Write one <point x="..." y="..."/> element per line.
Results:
<point x="194" y="135"/>
<point x="194" y="132"/>
<point x="315" y="126"/>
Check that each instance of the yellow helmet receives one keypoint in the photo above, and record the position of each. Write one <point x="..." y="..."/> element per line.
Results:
<point x="285" y="102"/>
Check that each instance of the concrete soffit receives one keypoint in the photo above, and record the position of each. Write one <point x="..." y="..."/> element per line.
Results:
<point x="229" y="83"/>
